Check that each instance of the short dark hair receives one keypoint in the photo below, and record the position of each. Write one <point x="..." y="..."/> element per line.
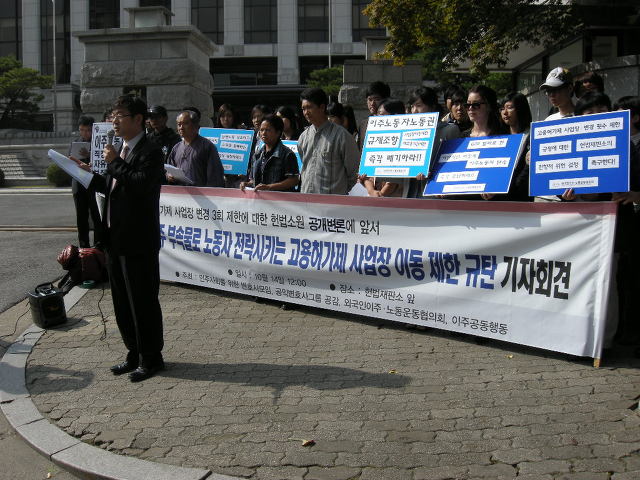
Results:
<point x="590" y="100"/>
<point x="315" y="95"/>
<point x="378" y="88"/>
<point x="261" y="107"/>
<point x="134" y="105"/>
<point x="594" y="78"/>
<point x="428" y="96"/>
<point x="335" y="109"/>
<point x="275" y="121"/>
<point x="629" y="103"/>
<point x="393" y="106"/>
<point x="523" y="111"/>
<point x="450" y="90"/>
<point x="85" y="121"/>
<point x="458" y="96"/>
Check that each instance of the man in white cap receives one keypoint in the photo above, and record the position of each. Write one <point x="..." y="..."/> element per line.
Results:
<point x="559" y="88"/>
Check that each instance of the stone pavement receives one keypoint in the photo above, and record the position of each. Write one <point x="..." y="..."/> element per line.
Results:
<point x="247" y="382"/>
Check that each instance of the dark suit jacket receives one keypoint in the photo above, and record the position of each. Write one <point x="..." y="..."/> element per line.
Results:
<point x="135" y="217"/>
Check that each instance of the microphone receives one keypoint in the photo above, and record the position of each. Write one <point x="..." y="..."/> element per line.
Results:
<point x="110" y="135"/>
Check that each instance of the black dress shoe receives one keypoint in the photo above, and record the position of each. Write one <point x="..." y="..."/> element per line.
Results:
<point x="124" y="367"/>
<point x="142" y="373"/>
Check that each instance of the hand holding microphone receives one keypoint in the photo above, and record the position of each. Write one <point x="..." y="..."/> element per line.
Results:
<point x="109" y="151"/>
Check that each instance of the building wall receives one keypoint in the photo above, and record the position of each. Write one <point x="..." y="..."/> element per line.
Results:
<point x="287" y="50"/>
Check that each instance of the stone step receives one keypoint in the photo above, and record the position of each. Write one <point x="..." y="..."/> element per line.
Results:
<point x="26" y="182"/>
<point x="16" y="165"/>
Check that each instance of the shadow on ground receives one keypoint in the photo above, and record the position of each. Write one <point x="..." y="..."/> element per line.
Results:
<point x="279" y="377"/>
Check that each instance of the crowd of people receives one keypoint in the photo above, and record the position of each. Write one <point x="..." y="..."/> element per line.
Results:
<point x="330" y="142"/>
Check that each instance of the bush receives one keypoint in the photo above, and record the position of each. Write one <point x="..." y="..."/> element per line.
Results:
<point x="1" y="178"/>
<point x="57" y="176"/>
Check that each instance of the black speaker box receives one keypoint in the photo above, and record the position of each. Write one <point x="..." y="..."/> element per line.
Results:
<point x="47" y="306"/>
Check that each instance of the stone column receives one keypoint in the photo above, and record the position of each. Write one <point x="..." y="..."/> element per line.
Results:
<point x="172" y="62"/>
<point x="288" y="68"/>
<point x="124" y="15"/>
<point x="31" y="34"/>
<point x="182" y="12"/>
<point x="233" y="22"/>
<point x="79" y="11"/>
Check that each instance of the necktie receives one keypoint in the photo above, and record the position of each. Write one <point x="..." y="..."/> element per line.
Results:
<point x="123" y="155"/>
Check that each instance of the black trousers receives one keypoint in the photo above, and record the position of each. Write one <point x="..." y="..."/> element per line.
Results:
<point x="86" y="205"/>
<point x="135" y="283"/>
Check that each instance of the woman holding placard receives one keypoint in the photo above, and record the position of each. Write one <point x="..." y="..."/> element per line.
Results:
<point x="515" y="114"/>
<point x="482" y="109"/>
<point x="274" y="165"/>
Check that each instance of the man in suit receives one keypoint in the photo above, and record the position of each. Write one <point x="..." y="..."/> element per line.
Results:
<point x="132" y="238"/>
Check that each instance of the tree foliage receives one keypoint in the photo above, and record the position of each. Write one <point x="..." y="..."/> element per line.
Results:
<point x="18" y="101"/>
<point x="328" y="79"/>
<point x="483" y="31"/>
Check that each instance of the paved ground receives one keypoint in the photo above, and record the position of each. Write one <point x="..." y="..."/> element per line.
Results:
<point x="248" y="382"/>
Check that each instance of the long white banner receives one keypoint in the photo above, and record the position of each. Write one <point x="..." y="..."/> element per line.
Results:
<point x="535" y="274"/>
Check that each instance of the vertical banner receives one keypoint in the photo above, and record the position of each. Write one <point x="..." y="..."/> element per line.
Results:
<point x="475" y="165"/>
<point x="534" y="274"/>
<point x="234" y="147"/>
<point x="99" y="140"/>
<point x="589" y="153"/>
<point x="398" y="145"/>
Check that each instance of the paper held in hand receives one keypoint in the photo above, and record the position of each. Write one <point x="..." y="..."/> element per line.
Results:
<point x="178" y="174"/>
<point x="71" y="168"/>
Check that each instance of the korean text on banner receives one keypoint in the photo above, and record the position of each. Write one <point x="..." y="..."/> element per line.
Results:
<point x="99" y="139"/>
<point x="398" y="145"/>
<point x="532" y="274"/>
<point x="234" y="147"/>
<point x="475" y="165"/>
<point x="589" y="153"/>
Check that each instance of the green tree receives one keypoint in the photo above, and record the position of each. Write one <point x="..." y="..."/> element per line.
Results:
<point x="18" y="101"/>
<point x="483" y="31"/>
<point x="328" y="79"/>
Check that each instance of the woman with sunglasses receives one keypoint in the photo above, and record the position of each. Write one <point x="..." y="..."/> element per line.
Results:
<point x="482" y="109"/>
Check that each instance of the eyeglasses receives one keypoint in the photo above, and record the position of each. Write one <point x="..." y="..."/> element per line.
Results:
<point x="120" y="116"/>
<point x="474" y="105"/>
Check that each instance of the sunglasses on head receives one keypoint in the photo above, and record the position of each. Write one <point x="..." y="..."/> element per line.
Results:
<point x="474" y="105"/>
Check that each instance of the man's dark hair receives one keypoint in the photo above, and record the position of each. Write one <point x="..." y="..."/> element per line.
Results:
<point x="378" y="88"/>
<point x="315" y="95"/>
<point x="629" y="103"/>
<point x="590" y="100"/>
<point x="275" y="121"/>
<point x="335" y="109"/>
<point x="85" y="121"/>
<point x="135" y="106"/>
<point x="393" y="106"/>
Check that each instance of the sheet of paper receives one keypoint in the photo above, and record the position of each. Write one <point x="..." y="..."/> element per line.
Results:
<point x="71" y="168"/>
<point x="178" y="174"/>
<point x="359" y="190"/>
<point x="80" y="150"/>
